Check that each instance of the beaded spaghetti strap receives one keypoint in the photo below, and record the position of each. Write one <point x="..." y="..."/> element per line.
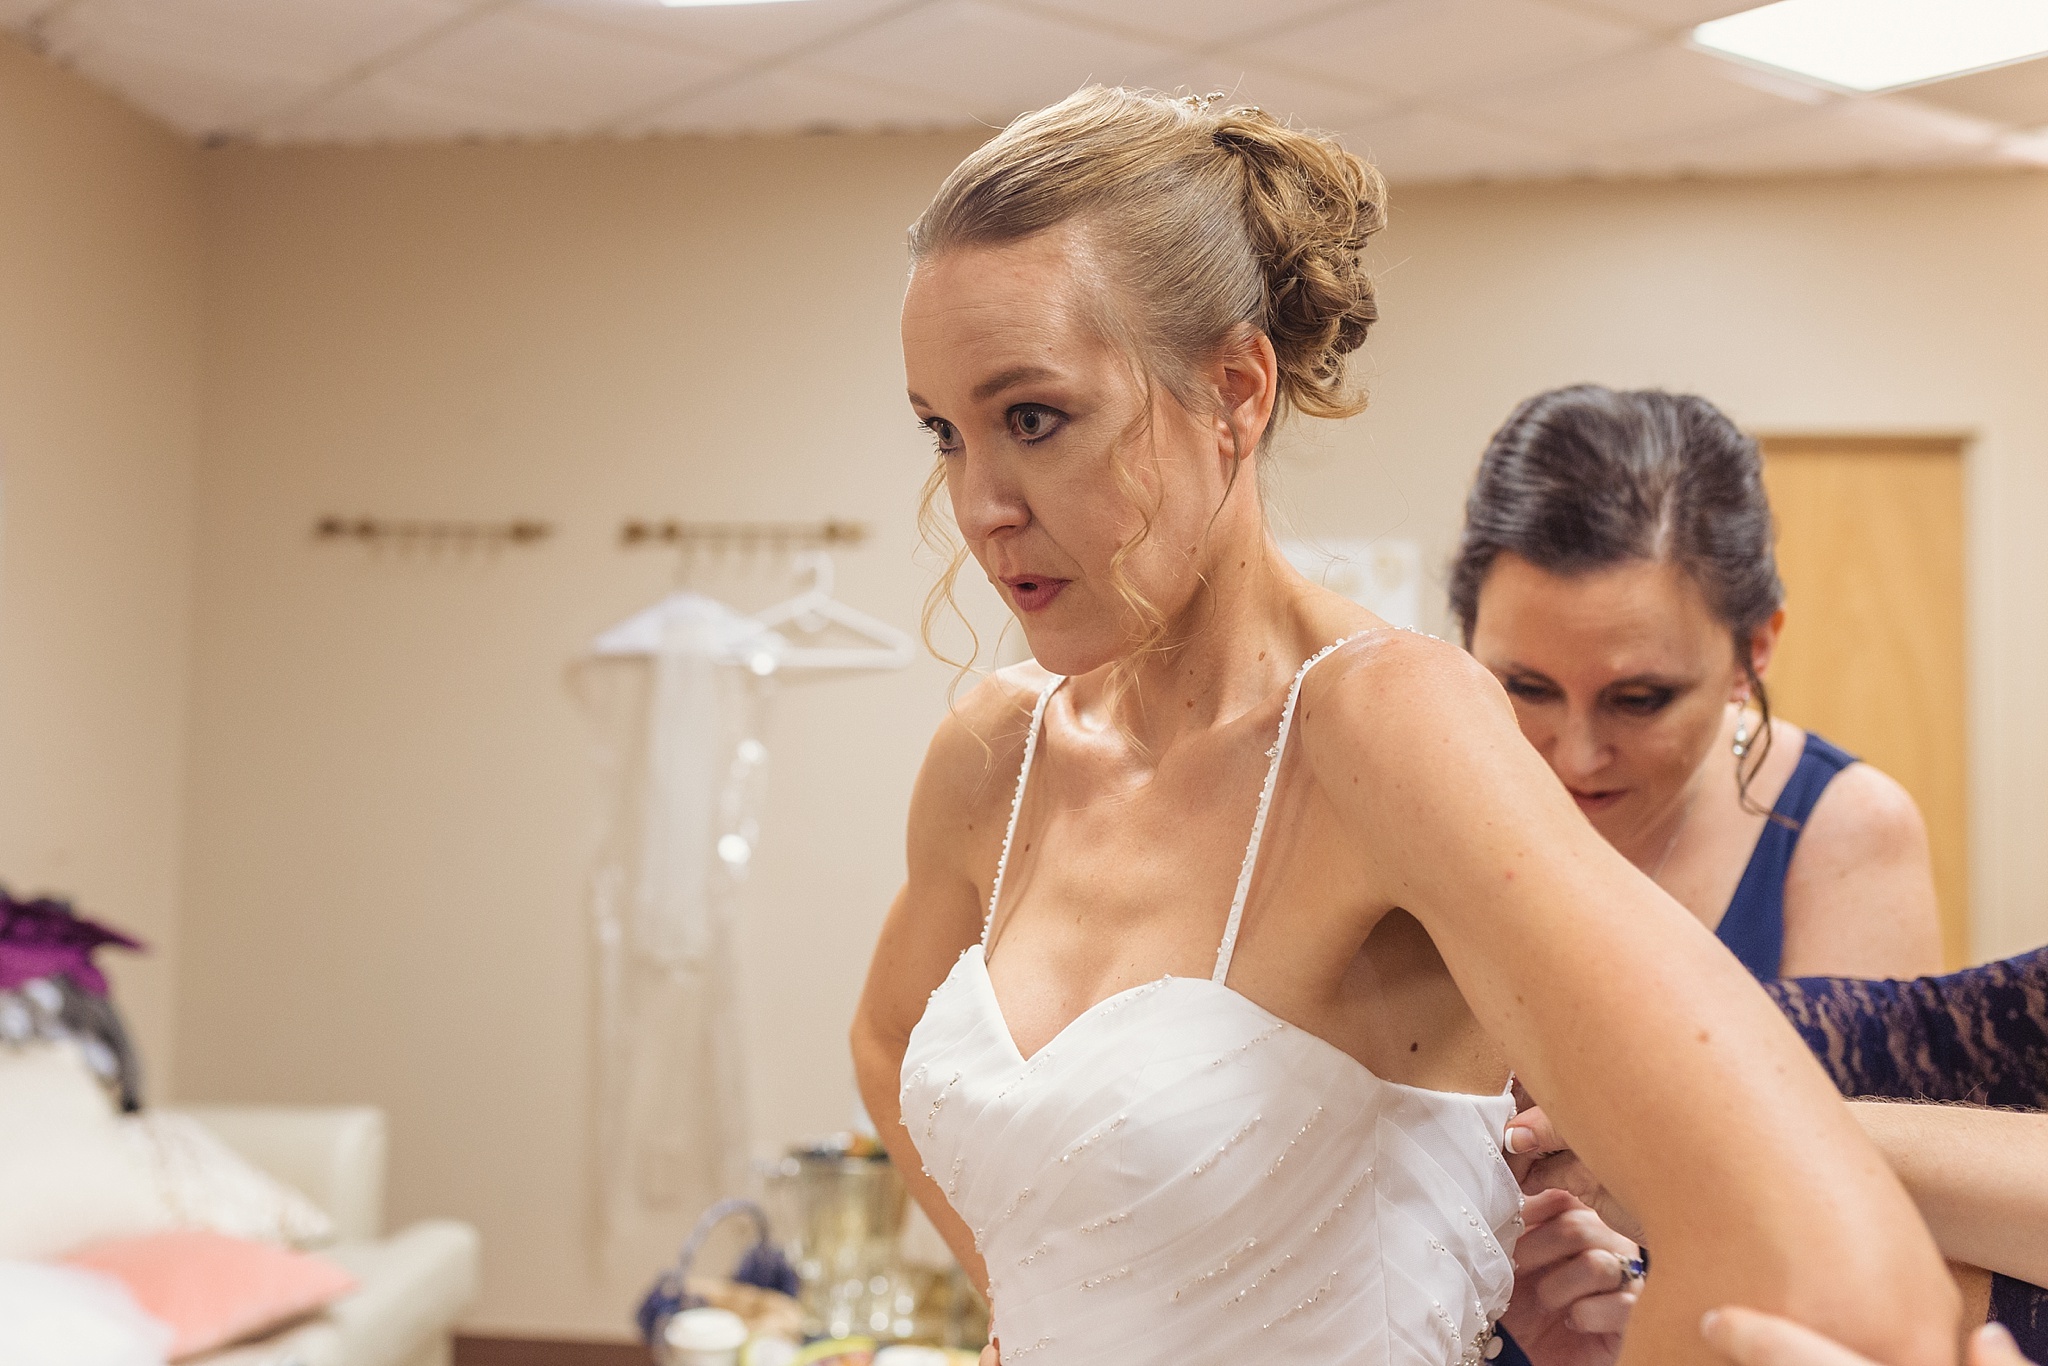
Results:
<point x="1017" y="804"/>
<point x="1251" y="853"/>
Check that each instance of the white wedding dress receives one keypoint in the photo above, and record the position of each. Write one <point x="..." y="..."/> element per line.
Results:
<point x="1180" y="1177"/>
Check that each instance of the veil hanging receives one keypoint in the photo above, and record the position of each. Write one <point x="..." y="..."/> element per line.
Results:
<point x="683" y="766"/>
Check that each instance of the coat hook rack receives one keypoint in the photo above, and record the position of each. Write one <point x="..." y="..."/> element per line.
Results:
<point x="378" y="530"/>
<point x="742" y="535"/>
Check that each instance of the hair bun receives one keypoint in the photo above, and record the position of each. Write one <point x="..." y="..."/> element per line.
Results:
<point x="1309" y="208"/>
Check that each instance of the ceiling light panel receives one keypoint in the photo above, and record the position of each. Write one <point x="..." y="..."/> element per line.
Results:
<point x="1872" y="45"/>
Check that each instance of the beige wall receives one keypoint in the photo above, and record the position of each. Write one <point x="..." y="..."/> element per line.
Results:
<point x="393" y="792"/>
<point x="99" y="397"/>
<point x="391" y="800"/>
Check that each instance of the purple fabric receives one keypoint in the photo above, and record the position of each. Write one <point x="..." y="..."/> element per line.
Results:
<point x="45" y="938"/>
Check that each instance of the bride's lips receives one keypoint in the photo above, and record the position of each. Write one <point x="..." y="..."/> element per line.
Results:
<point x="1033" y="592"/>
<point x="1589" y="802"/>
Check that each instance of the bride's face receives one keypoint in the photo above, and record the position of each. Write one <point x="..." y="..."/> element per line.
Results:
<point x="1049" y="467"/>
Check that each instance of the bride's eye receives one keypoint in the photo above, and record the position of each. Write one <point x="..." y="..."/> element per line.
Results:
<point x="945" y="435"/>
<point x="1032" y="422"/>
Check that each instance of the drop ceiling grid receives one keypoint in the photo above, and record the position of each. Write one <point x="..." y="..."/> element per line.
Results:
<point x="1439" y="89"/>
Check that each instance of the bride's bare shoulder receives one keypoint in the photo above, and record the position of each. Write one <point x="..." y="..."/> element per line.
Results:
<point x="980" y="743"/>
<point x="1397" y="690"/>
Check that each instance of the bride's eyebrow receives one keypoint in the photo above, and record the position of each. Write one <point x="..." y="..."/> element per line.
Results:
<point x="1020" y="374"/>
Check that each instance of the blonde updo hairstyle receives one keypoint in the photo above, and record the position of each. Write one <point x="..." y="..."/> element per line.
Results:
<point x="1202" y="221"/>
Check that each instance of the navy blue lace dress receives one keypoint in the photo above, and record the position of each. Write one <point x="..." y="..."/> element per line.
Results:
<point x="1975" y="1037"/>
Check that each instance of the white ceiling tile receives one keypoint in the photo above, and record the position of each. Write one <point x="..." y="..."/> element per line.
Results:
<point x="1637" y="97"/>
<point x="2016" y="94"/>
<point x="520" y="72"/>
<point x="1438" y="47"/>
<point x="1426" y="146"/>
<point x="796" y="99"/>
<point x="1302" y="100"/>
<point x="380" y="109"/>
<point x="754" y="31"/>
<point x="1436" y="89"/>
<point x="205" y="65"/>
<point x="1847" y="135"/>
<point x="1186" y="23"/>
<point x="994" y="61"/>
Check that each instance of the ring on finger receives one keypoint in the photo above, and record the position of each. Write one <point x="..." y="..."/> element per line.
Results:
<point x="1633" y="1270"/>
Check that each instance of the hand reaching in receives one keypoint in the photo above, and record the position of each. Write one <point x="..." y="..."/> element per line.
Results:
<point x="1574" y="1289"/>
<point x="1748" y="1338"/>
<point x="1541" y="1160"/>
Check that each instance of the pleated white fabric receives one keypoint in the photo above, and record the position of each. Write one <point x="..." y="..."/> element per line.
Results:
<point x="1182" y="1177"/>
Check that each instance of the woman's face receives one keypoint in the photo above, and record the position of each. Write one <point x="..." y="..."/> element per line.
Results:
<point x="1033" y="414"/>
<point x="1621" y="679"/>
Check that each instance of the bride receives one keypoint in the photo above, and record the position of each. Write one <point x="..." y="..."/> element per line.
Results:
<point x="1227" y="918"/>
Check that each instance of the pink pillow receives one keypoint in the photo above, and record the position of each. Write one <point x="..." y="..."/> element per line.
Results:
<point x="212" y="1289"/>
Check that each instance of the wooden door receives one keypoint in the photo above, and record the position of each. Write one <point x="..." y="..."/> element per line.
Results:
<point x="1870" y="545"/>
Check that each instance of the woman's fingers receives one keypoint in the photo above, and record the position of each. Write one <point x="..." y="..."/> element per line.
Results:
<point x="990" y="1357"/>
<point x="1748" y="1338"/>
<point x="1546" y="1205"/>
<point x="1603" y="1314"/>
<point x="1992" y="1345"/>
<point x="1569" y="1233"/>
<point x="1532" y="1132"/>
<point x="1581" y="1277"/>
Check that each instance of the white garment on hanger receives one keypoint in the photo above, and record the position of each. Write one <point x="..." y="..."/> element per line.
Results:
<point x="685" y="766"/>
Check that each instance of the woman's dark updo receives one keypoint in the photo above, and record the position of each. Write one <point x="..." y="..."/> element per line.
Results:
<point x="1586" y="478"/>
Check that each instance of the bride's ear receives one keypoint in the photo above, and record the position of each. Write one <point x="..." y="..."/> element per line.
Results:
<point x="1246" y="374"/>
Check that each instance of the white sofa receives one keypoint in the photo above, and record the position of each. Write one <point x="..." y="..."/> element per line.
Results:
<point x="413" y="1283"/>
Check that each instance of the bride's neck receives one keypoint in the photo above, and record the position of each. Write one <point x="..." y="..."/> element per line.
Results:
<point x="1238" y="639"/>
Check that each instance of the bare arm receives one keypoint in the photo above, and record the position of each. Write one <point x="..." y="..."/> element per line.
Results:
<point x="1859" y="897"/>
<point x="1562" y="949"/>
<point x="934" y="918"/>
<point x="1980" y="1178"/>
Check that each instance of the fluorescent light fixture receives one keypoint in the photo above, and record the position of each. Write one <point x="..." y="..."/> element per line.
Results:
<point x="718" y="4"/>
<point x="1872" y="45"/>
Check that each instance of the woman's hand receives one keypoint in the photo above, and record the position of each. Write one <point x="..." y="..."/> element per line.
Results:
<point x="990" y="1356"/>
<point x="1541" y="1160"/>
<point x="1748" y="1338"/>
<point x="1574" y="1289"/>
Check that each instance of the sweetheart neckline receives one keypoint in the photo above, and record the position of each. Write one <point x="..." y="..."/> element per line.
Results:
<point x="988" y="987"/>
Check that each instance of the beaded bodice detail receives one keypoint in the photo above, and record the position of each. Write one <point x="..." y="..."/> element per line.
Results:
<point x="1180" y="1176"/>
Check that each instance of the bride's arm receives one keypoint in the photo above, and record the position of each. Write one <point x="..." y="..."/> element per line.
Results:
<point x="934" y="918"/>
<point x="1678" y="1078"/>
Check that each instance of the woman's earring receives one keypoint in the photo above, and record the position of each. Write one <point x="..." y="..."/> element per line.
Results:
<point x="1741" y="745"/>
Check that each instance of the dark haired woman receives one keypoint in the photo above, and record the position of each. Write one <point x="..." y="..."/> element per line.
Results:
<point x="1616" y="574"/>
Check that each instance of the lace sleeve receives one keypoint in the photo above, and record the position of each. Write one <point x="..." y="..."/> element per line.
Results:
<point x="1979" y="1036"/>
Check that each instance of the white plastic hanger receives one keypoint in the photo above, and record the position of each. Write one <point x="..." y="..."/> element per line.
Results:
<point x="756" y="642"/>
<point x="815" y="610"/>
